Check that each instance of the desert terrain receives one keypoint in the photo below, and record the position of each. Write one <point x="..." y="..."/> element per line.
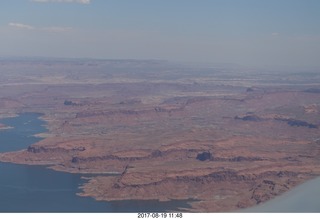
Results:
<point x="224" y="137"/>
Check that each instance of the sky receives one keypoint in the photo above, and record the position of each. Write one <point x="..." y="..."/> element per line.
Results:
<point x="260" y="33"/>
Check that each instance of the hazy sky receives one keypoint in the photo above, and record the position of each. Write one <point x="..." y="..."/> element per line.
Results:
<point x="248" y="32"/>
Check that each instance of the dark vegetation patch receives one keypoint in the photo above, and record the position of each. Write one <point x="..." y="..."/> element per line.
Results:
<point x="250" y="89"/>
<point x="70" y="103"/>
<point x="313" y="90"/>
<point x="204" y="156"/>
<point x="291" y="122"/>
<point x="253" y="118"/>
<point x="298" y="123"/>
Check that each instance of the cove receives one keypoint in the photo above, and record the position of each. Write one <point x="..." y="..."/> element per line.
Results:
<point x="25" y="126"/>
<point x="25" y="188"/>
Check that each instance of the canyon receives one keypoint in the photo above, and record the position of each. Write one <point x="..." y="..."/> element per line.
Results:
<point x="223" y="138"/>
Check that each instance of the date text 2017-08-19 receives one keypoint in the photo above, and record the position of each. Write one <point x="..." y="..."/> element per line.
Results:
<point x="160" y="215"/>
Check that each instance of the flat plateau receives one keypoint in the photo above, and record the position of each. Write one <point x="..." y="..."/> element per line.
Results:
<point x="223" y="139"/>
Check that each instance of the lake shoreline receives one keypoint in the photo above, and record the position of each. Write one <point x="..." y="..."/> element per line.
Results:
<point x="201" y="205"/>
<point x="31" y="172"/>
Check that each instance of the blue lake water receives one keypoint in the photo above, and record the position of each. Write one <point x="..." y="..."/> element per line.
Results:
<point x="26" y="188"/>
<point x="22" y="135"/>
